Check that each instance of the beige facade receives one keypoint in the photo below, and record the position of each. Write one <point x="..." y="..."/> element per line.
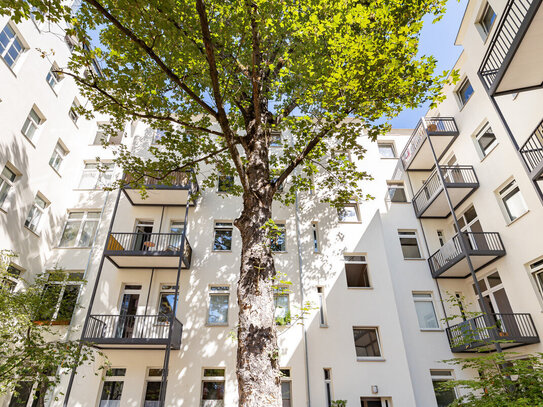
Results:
<point x="377" y="273"/>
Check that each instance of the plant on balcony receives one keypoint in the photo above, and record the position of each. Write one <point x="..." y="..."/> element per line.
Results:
<point x="339" y="403"/>
<point x="219" y="78"/>
<point x="30" y="352"/>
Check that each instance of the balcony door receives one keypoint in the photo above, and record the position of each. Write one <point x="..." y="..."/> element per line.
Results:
<point x="128" y="311"/>
<point x="469" y="222"/>
<point x="143" y="236"/>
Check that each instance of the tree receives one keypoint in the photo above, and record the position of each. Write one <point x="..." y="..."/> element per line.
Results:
<point x="31" y="350"/>
<point x="218" y="77"/>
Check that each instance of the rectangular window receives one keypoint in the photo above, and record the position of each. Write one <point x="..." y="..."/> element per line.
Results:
<point x="426" y="314"/>
<point x="152" y="387"/>
<point x="464" y="92"/>
<point x="372" y="402"/>
<point x="7" y="178"/>
<point x="11" y="46"/>
<point x="59" y="153"/>
<point x="53" y="78"/>
<point x="323" y="318"/>
<point x="315" y="234"/>
<point x="487" y="19"/>
<point x="157" y="136"/>
<point x="441" y="238"/>
<point x="226" y="182"/>
<point x="218" y="305"/>
<point x="396" y="191"/>
<point x="366" y="342"/>
<point x="275" y="138"/>
<point x="356" y="271"/>
<point x="11" y="278"/>
<point x="536" y="269"/>
<point x="386" y="150"/>
<point x="102" y="136"/>
<point x="166" y="302"/>
<point x="328" y="386"/>
<point x="282" y="306"/>
<point x="410" y="245"/>
<point x="93" y="178"/>
<point x="223" y="236"/>
<point x="443" y="397"/>
<point x="513" y="201"/>
<point x="213" y="388"/>
<point x="23" y="393"/>
<point x="32" y="124"/>
<point x="80" y="229"/>
<point x="60" y="296"/>
<point x="278" y="242"/>
<point x="486" y="141"/>
<point x="112" y="388"/>
<point x="286" y="388"/>
<point x="36" y="212"/>
<point x="176" y="228"/>
<point x="349" y="213"/>
<point x="74" y="112"/>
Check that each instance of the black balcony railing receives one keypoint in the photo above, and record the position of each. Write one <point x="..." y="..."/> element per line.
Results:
<point x="427" y="126"/>
<point x="508" y="329"/>
<point x="532" y="151"/>
<point x="132" y="330"/>
<point x="506" y="31"/>
<point x="477" y="243"/>
<point x="174" y="180"/>
<point x="455" y="176"/>
<point x="135" y="244"/>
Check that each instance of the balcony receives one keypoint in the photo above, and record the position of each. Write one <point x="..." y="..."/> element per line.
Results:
<point x="430" y="201"/>
<point x="513" y="59"/>
<point x="532" y="153"/>
<point x="173" y="190"/>
<point x="132" y="331"/>
<point x="147" y="250"/>
<point x="450" y="261"/>
<point x="510" y="330"/>
<point x="417" y="155"/>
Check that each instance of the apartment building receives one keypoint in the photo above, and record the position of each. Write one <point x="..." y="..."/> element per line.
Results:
<point x="456" y="216"/>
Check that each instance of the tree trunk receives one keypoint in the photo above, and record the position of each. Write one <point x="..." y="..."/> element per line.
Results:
<point x="257" y="358"/>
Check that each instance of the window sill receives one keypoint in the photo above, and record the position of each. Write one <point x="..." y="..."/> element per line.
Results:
<point x="72" y="248"/>
<point x="431" y="330"/>
<point x="370" y="359"/>
<point x="414" y="259"/>
<point x="399" y="202"/>
<point x="323" y="325"/>
<point x="357" y="222"/>
<point x="216" y="325"/>
<point x="279" y="252"/>
<point x="221" y="251"/>
<point x="388" y="158"/>
<point x="31" y="231"/>
<point x="29" y="140"/>
<point x="520" y="217"/>
<point x="489" y="152"/>
<point x="56" y="171"/>
<point x="359" y="288"/>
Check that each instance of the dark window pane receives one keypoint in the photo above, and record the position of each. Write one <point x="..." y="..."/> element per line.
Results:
<point x="396" y="194"/>
<point x="213" y="391"/>
<point x="24" y="390"/>
<point x="67" y="304"/>
<point x="111" y="392"/>
<point x="357" y="275"/>
<point x="152" y="394"/>
<point x="443" y="397"/>
<point x="366" y="343"/>
<point x="223" y="239"/>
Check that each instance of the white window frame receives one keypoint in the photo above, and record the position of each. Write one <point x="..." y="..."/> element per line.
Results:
<point x="356" y="209"/>
<point x="218" y="291"/>
<point x="215" y="379"/>
<point x="357" y="258"/>
<point x="315" y="235"/>
<point x="39" y="210"/>
<point x="365" y="358"/>
<point x="66" y="281"/>
<point x="4" y="180"/>
<point x="536" y="270"/>
<point x="72" y="112"/>
<point x="54" y="78"/>
<point x="383" y="144"/>
<point x="482" y="153"/>
<point x="276" y="138"/>
<point x="166" y="289"/>
<point x="59" y="154"/>
<point x="286" y="378"/>
<point x="458" y="92"/>
<point x="30" y="122"/>
<point x="323" y="314"/>
<point x="230" y="179"/>
<point x="282" y="226"/>
<point x="442" y="378"/>
<point x="426" y="297"/>
<point x="100" y="183"/>
<point x="112" y="378"/>
<point x="282" y="291"/>
<point x="11" y="277"/>
<point x="150" y="378"/>
<point x="83" y="220"/>
<point x="410" y="234"/>
<point x="482" y="28"/>
<point x="223" y="225"/>
<point x="395" y="185"/>
<point x="16" y="37"/>
<point x="507" y="188"/>
<point x="328" y="386"/>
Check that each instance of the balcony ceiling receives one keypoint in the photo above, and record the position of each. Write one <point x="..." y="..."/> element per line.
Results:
<point x="154" y="260"/>
<point x="158" y="196"/>
<point x="461" y="269"/>
<point x="439" y="208"/>
<point x="423" y="159"/>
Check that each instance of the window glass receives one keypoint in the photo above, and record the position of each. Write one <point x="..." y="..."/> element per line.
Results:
<point x="34" y="215"/>
<point x="486" y="140"/>
<point x="426" y="313"/>
<point x="23" y="390"/>
<point x="278" y="242"/>
<point x="315" y="233"/>
<point x="488" y="19"/>
<point x="57" y="157"/>
<point x="349" y="213"/>
<point x="356" y="271"/>
<point x="80" y="229"/>
<point x="73" y="112"/>
<point x="111" y="394"/>
<point x="322" y="307"/>
<point x="226" y="182"/>
<point x="6" y="182"/>
<point x="218" y="305"/>
<point x="53" y="78"/>
<point x="275" y="138"/>
<point x="465" y="91"/>
<point x="92" y="178"/>
<point x="444" y="398"/>
<point x="31" y="124"/>
<point x="282" y="308"/>
<point x="386" y="150"/>
<point x="11" y="46"/>
<point x="537" y="271"/>
<point x="60" y="296"/>
<point x="513" y="201"/>
<point x="410" y="245"/>
<point x="366" y="342"/>
<point x="396" y="192"/>
<point x="152" y="394"/>
<point x="166" y="303"/>
<point x="223" y="236"/>
<point x="286" y="393"/>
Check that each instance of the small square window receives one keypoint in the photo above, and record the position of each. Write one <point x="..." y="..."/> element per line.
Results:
<point x="213" y="387"/>
<point x="349" y="213"/>
<point x="486" y="141"/>
<point x="512" y="201"/>
<point x="366" y="342"/>
<point x="223" y="236"/>
<point x="356" y="271"/>
<point x="464" y="92"/>
<point x="410" y="245"/>
<point x="387" y="150"/>
<point x="396" y="191"/>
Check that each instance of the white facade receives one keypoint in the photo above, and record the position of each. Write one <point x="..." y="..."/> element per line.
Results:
<point x="320" y="353"/>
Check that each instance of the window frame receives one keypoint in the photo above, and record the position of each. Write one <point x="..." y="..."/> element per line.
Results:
<point x="328" y="386"/>
<point x="463" y="86"/>
<point x="385" y="144"/>
<point x="218" y="290"/>
<point x="40" y="210"/>
<point x="356" y="210"/>
<point x="286" y="378"/>
<point x="225" y="183"/>
<point x="379" y="345"/>
<point x="481" y="21"/>
<point x="17" y="37"/>
<point x="315" y="234"/>
<point x="151" y="379"/>
<point x="282" y="226"/>
<point x="323" y="313"/>
<point x="400" y="185"/>
<point x="411" y="234"/>
<point x="441" y="378"/>
<point x="506" y="190"/>
<point x="99" y="183"/>
<point x="483" y="153"/>
<point x="347" y="259"/>
<point x="213" y="379"/>
<point x="428" y="298"/>
<point x="54" y="78"/>
<point x="83" y="220"/>
<point x="283" y="292"/>
<point x="10" y="183"/>
<point x="59" y="154"/>
<point x="276" y="138"/>
<point x="225" y="226"/>
<point x="113" y="378"/>
<point x="73" y="113"/>
<point x="65" y="282"/>
<point x="165" y="289"/>
<point x="30" y="122"/>
<point x="536" y="270"/>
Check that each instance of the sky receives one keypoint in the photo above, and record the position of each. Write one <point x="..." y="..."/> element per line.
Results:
<point x="437" y="40"/>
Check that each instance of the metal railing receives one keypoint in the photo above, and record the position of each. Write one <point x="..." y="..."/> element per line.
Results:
<point x="532" y="149"/>
<point x="427" y="126"/>
<point x="142" y="243"/>
<point x="127" y="328"/>
<point x="478" y="243"/>
<point x="506" y="31"/>
<point x="453" y="174"/>
<point x="516" y="328"/>
<point x="174" y="180"/>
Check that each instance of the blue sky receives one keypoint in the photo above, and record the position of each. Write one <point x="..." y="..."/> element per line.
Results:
<point x="437" y="40"/>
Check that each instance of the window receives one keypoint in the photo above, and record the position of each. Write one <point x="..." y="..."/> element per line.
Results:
<point x="73" y="112"/>
<point x="410" y="245"/>
<point x="443" y="397"/>
<point x="328" y="386"/>
<point x="36" y="211"/>
<point x="60" y="296"/>
<point x="53" y="78"/>
<point x="282" y="306"/>
<point x="213" y="388"/>
<point x="464" y="92"/>
<point x="286" y="388"/>
<point x="176" y="237"/>
<point x="157" y="136"/>
<point x="226" y="182"/>
<point x="7" y="178"/>
<point x="112" y="388"/>
<point x="366" y="342"/>
<point x="323" y="318"/>
<point x="278" y="242"/>
<point x="513" y="201"/>
<point x="537" y="271"/>
<point x="371" y="402"/>
<point x="275" y="138"/>
<point x="102" y="136"/>
<point x="356" y="271"/>
<point x="11" y="46"/>
<point x="386" y="150"/>
<point x="80" y="229"/>
<point x="487" y="19"/>
<point x="59" y="153"/>
<point x="396" y="191"/>
<point x="349" y="213"/>
<point x="152" y="387"/>
<point x="315" y="234"/>
<point x="441" y="238"/>
<point x="223" y="236"/>
<point x="93" y="178"/>
<point x="486" y="141"/>
<point x="11" y="278"/>
<point x="424" y="305"/>
<point x="32" y="124"/>
<point x="23" y="393"/>
<point x="166" y="302"/>
<point x="218" y="305"/>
